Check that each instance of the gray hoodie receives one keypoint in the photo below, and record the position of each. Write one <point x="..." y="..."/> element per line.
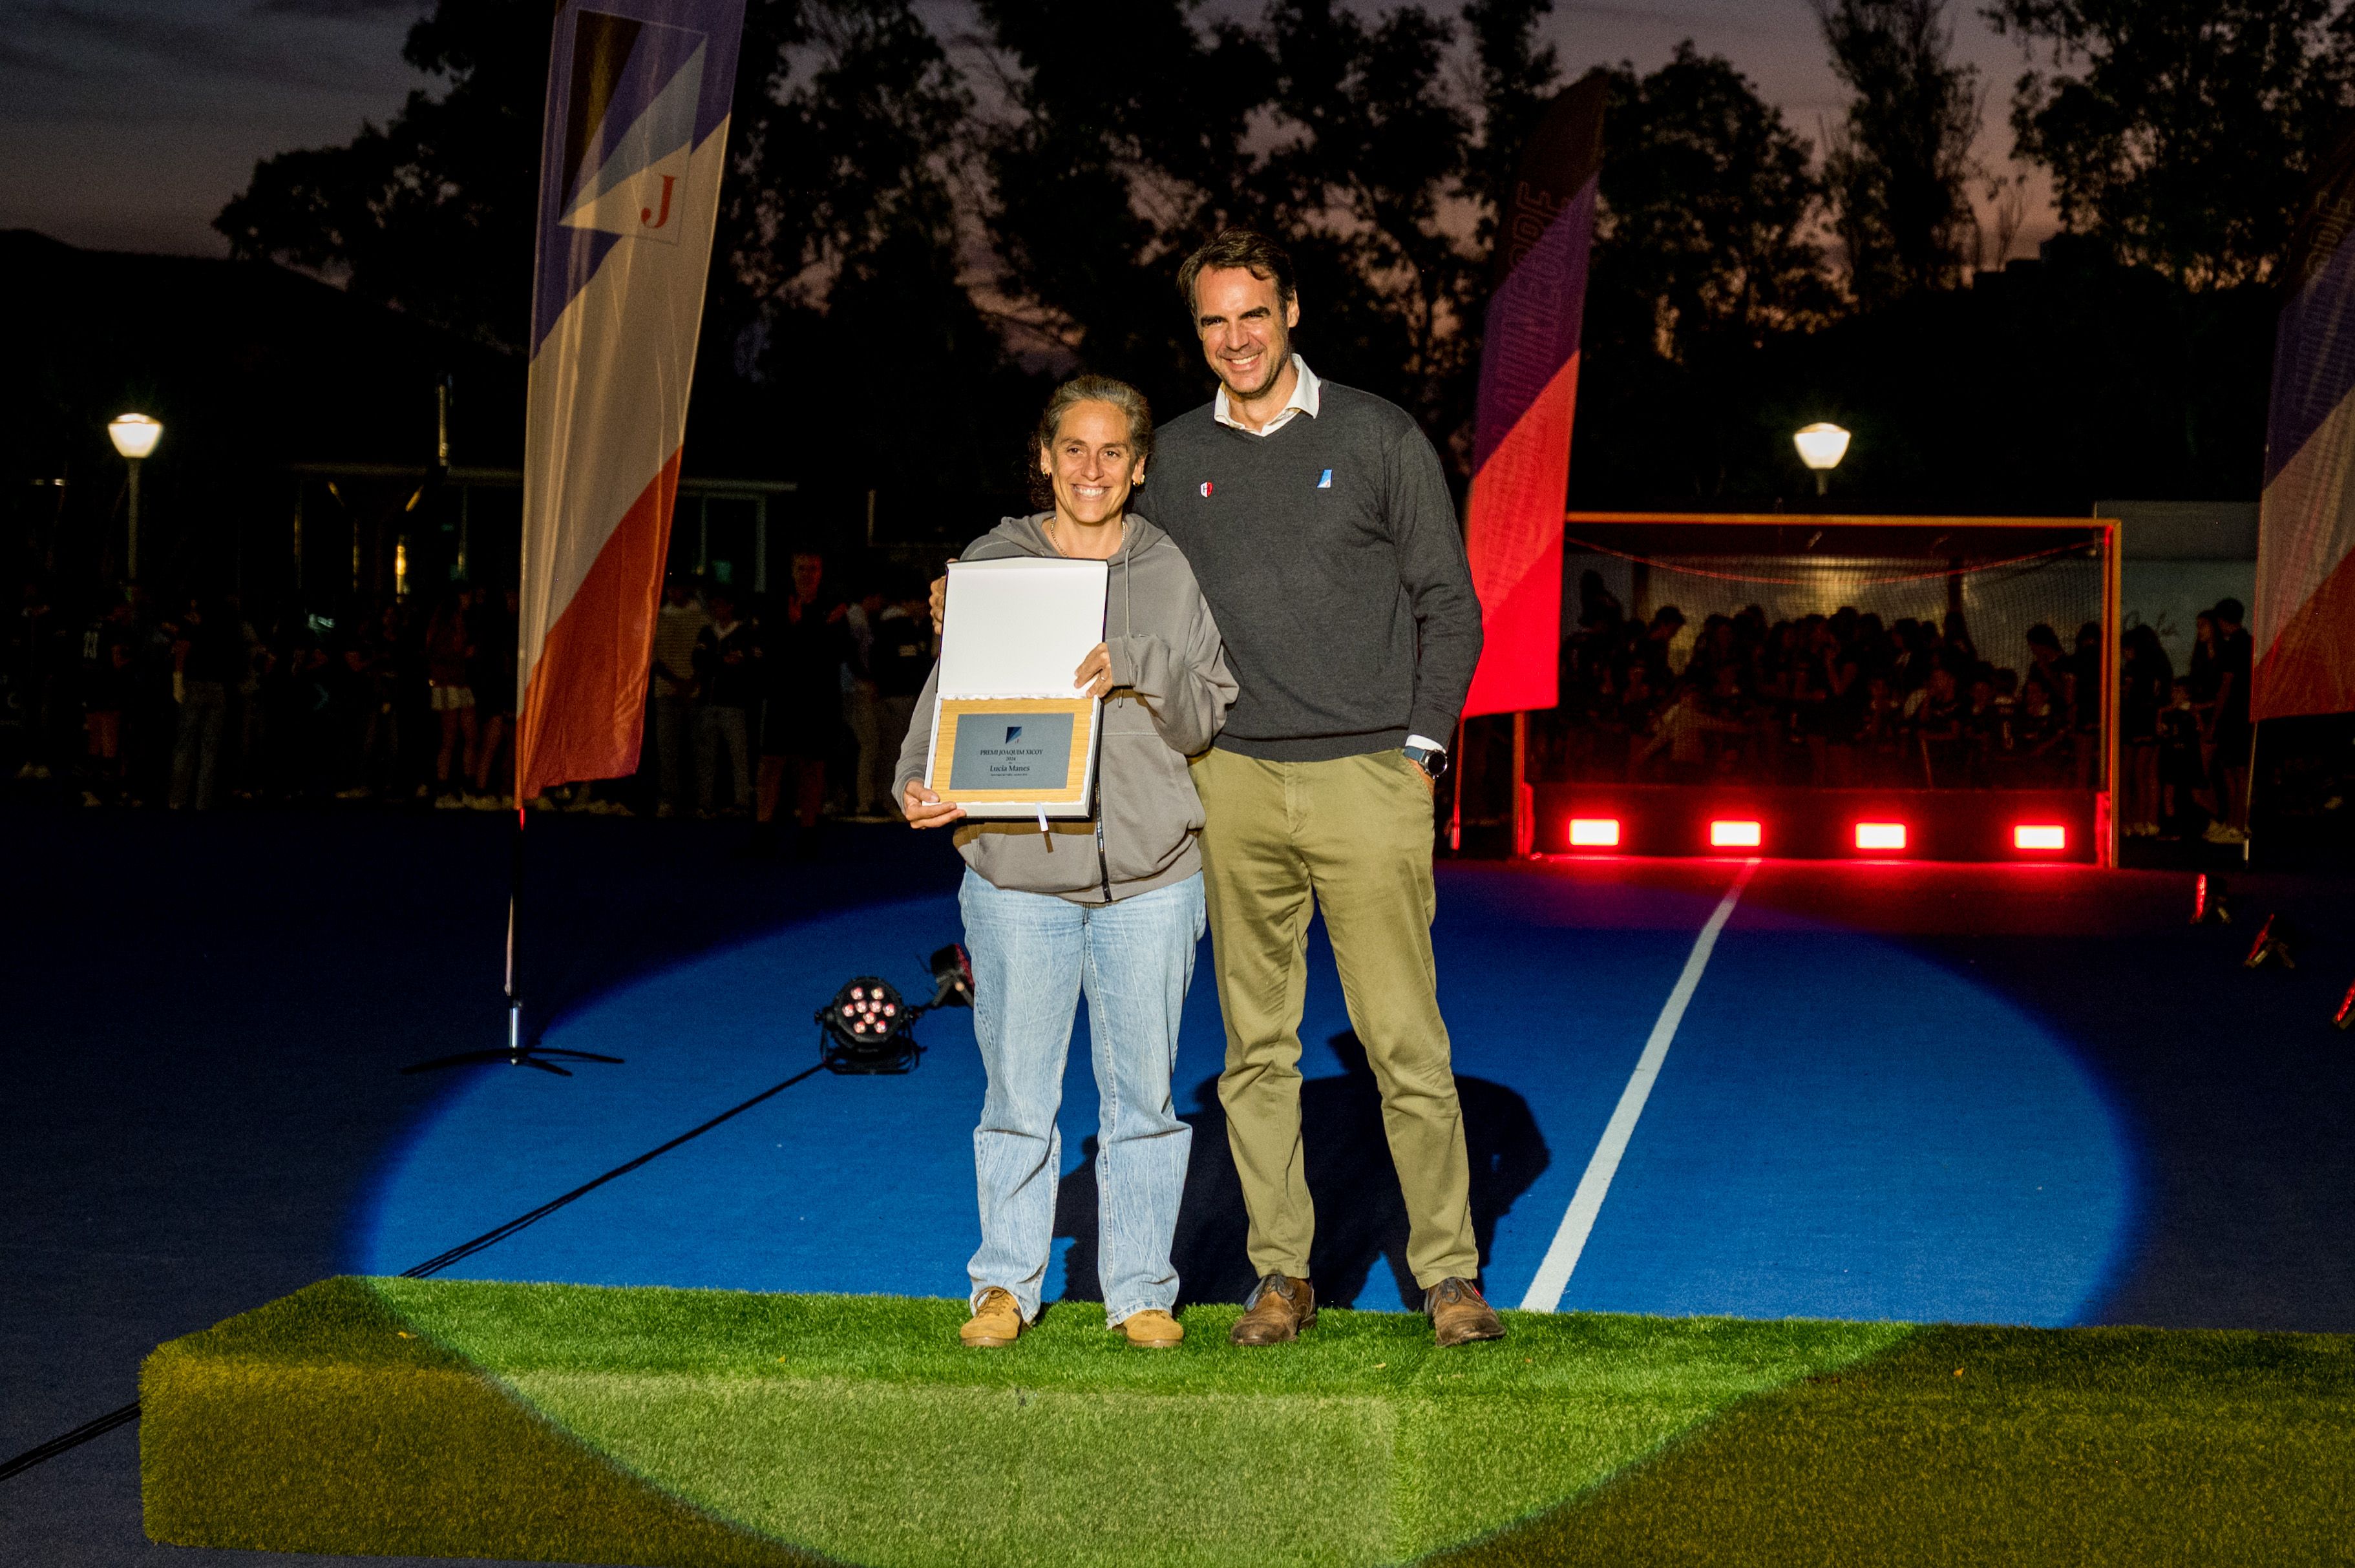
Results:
<point x="1171" y="693"/>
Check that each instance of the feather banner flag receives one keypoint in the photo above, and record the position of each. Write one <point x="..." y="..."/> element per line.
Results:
<point x="630" y="157"/>
<point x="2303" y="629"/>
<point x="1529" y="393"/>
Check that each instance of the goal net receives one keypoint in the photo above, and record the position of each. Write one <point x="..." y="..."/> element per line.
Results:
<point x="1879" y="653"/>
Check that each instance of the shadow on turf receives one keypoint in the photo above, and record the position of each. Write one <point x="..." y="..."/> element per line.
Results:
<point x="2008" y="1448"/>
<point x="1361" y="1213"/>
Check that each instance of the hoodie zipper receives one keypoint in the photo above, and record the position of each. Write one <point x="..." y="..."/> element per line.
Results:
<point x="1128" y="624"/>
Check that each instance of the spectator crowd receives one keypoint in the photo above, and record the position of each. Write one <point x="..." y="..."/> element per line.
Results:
<point x="1846" y="700"/>
<point x="796" y="700"/>
<point x="793" y="704"/>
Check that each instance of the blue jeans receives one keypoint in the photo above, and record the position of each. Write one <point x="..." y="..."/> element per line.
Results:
<point x="1032" y="956"/>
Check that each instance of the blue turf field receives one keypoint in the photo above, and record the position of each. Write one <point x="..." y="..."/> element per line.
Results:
<point x="1842" y="1127"/>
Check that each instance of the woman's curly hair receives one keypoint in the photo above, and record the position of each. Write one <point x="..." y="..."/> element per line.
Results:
<point x="1088" y="389"/>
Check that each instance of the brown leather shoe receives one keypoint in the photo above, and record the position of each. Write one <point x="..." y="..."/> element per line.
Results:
<point x="995" y="1322"/>
<point x="1280" y="1307"/>
<point x="1153" y="1330"/>
<point x="1460" y="1314"/>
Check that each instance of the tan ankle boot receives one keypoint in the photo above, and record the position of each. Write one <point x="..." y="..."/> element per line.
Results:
<point x="996" y="1321"/>
<point x="1153" y="1330"/>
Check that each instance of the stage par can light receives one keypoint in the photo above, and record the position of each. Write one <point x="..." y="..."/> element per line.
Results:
<point x="2039" y="836"/>
<point x="865" y="1029"/>
<point x="1735" y="836"/>
<point x="951" y="977"/>
<point x="1880" y="835"/>
<point x="1595" y="833"/>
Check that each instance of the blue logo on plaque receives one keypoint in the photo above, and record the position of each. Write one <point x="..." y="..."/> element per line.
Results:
<point x="1034" y="754"/>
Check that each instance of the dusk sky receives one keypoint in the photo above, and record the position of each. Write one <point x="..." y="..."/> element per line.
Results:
<point x="127" y="123"/>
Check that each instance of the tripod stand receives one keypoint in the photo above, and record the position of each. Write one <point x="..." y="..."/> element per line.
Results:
<point x="518" y="1052"/>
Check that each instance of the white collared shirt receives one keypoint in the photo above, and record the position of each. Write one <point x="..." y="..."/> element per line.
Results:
<point x="1307" y="393"/>
<point x="1303" y="401"/>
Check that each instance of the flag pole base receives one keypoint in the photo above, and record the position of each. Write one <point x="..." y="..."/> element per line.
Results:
<point x="541" y="1056"/>
<point x="516" y="1054"/>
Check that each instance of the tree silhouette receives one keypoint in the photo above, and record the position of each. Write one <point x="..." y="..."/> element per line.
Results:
<point x="1899" y="163"/>
<point x="2187" y="134"/>
<point x="433" y="213"/>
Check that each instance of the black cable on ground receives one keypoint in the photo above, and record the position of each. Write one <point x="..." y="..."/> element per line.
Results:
<point x="73" y="1439"/>
<point x="105" y="1424"/>
<point x="442" y="1260"/>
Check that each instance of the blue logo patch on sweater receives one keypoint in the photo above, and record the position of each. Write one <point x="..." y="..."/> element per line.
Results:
<point x="1325" y="480"/>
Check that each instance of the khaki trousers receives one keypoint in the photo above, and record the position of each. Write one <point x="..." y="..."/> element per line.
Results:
<point x="1352" y="837"/>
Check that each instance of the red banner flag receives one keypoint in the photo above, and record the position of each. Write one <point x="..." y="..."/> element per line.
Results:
<point x="636" y="135"/>
<point x="2305" y="625"/>
<point x="1528" y="394"/>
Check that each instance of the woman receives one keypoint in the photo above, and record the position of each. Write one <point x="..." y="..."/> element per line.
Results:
<point x="1111" y="907"/>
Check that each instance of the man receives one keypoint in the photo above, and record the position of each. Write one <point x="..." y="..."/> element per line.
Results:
<point x="1322" y="530"/>
<point x="803" y="646"/>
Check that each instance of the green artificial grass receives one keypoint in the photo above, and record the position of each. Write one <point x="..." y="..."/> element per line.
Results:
<point x="324" y="1423"/>
<point x="858" y="1428"/>
<point x="688" y="1427"/>
<point x="2136" y="1447"/>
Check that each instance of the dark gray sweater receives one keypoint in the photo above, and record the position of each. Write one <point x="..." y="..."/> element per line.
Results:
<point x="1330" y="555"/>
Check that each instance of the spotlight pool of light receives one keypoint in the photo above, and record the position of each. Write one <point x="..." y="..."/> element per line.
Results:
<point x="1735" y="835"/>
<point x="1919" y="1202"/>
<point x="2039" y="836"/>
<point x="1595" y="833"/>
<point x="1880" y="835"/>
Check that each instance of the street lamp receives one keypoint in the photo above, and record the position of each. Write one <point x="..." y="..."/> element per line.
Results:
<point x="135" y="436"/>
<point x="1821" y="447"/>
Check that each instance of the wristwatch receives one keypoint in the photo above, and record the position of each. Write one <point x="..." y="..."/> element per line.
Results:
<point x="1430" y="759"/>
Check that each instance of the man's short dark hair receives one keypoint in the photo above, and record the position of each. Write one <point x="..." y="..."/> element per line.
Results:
<point x="2231" y="609"/>
<point x="1230" y="247"/>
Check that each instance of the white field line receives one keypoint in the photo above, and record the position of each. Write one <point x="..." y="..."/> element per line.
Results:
<point x="1562" y="1257"/>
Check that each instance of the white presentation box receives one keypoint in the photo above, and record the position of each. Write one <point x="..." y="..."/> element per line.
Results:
<point x="1011" y="736"/>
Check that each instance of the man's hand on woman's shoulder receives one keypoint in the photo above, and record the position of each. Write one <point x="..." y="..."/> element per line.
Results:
<point x="940" y="598"/>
